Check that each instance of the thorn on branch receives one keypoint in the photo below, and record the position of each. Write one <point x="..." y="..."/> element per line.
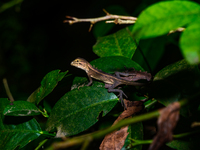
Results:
<point x="91" y="25"/>
<point x="107" y="13"/>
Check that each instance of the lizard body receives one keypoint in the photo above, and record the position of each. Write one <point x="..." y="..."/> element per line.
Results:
<point x="110" y="80"/>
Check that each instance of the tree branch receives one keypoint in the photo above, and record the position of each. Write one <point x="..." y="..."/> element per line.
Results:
<point x="118" y="19"/>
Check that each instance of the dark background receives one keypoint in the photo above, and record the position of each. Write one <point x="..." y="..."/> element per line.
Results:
<point x="34" y="40"/>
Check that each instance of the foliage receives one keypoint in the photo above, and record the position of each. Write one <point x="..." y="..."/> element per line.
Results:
<point x="82" y="109"/>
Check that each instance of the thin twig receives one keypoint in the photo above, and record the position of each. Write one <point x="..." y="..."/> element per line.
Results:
<point x="8" y="90"/>
<point x="117" y="19"/>
<point x="177" y="30"/>
<point x="121" y="21"/>
<point x="94" y="20"/>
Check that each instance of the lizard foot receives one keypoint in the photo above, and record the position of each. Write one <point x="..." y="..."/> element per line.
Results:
<point x="122" y="100"/>
<point x="121" y="94"/>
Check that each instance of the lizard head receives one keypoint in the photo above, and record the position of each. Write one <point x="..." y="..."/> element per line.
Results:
<point x="81" y="63"/>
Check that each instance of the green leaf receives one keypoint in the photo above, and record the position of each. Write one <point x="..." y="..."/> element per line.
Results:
<point x="120" y="43"/>
<point x="174" y="82"/>
<point x="185" y="144"/>
<point x="162" y="17"/>
<point x="3" y="103"/>
<point x="190" y="44"/>
<point x="21" y="108"/>
<point x="102" y="28"/>
<point x="79" y="109"/>
<point x="116" y="63"/>
<point x="49" y="82"/>
<point x="16" y="132"/>
<point x="153" y="50"/>
<point x="83" y="81"/>
<point x="136" y="133"/>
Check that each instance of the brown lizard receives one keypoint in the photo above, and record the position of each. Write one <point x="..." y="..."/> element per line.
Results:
<point x="110" y="80"/>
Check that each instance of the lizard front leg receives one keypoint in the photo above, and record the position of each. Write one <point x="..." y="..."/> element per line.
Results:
<point x="110" y="88"/>
<point x="90" y="79"/>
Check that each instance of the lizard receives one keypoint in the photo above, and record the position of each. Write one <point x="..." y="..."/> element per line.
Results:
<point x="110" y="81"/>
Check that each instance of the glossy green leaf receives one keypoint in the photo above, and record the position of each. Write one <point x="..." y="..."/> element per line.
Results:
<point x="79" y="109"/>
<point x="49" y="82"/>
<point x="174" y="82"/>
<point x="136" y="133"/>
<point x="21" y="108"/>
<point x="160" y="18"/>
<point x="120" y="43"/>
<point x="116" y="63"/>
<point x="83" y="81"/>
<point x="102" y="28"/>
<point x="16" y="132"/>
<point x="190" y="43"/>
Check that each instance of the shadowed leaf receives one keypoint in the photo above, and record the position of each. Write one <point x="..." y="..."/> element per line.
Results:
<point x="15" y="134"/>
<point x="49" y="82"/>
<point x="174" y="82"/>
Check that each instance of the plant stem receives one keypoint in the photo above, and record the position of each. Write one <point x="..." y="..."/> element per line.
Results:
<point x="102" y="133"/>
<point x="41" y="143"/>
<point x="8" y="90"/>
<point x="182" y="135"/>
<point x="151" y="103"/>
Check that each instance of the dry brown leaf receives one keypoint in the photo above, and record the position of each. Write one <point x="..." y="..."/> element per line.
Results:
<point x="116" y="139"/>
<point x="166" y="123"/>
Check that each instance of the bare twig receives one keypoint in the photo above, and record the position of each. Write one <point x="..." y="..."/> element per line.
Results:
<point x="117" y="19"/>
<point x="8" y="90"/>
<point x="109" y="18"/>
<point x="121" y="21"/>
<point x="195" y="124"/>
<point x="177" y="30"/>
<point x="98" y="19"/>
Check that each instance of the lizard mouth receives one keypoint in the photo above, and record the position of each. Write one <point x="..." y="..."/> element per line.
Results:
<point x="72" y="63"/>
<point x="75" y="64"/>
